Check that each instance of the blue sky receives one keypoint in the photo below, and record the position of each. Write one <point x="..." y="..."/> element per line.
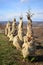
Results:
<point x="14" y="8"/>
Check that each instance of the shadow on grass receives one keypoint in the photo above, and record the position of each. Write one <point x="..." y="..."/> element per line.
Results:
<point x="36" y="58"/>
<point x="39" y="47"/>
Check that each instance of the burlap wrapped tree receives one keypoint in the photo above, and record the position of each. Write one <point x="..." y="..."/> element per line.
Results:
<point x="18" y="39"/>
<point x="28" y="47"/>
<point x="14" y="30"/>
<point x="8" y="29"/>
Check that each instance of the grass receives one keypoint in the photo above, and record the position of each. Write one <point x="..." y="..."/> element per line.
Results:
<point x="10" y="56"/>
<point x="8" y="53"/>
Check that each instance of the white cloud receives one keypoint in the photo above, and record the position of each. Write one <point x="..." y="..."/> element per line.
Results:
<point x="38" y="15"/>
<point x="23" y="0"/>
<point x="10" y="15"/>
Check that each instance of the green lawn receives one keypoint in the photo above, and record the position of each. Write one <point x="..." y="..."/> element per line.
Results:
<point x="8" y="53"/>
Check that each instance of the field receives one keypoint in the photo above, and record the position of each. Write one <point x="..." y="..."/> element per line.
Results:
<point x="10" y="56"/>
